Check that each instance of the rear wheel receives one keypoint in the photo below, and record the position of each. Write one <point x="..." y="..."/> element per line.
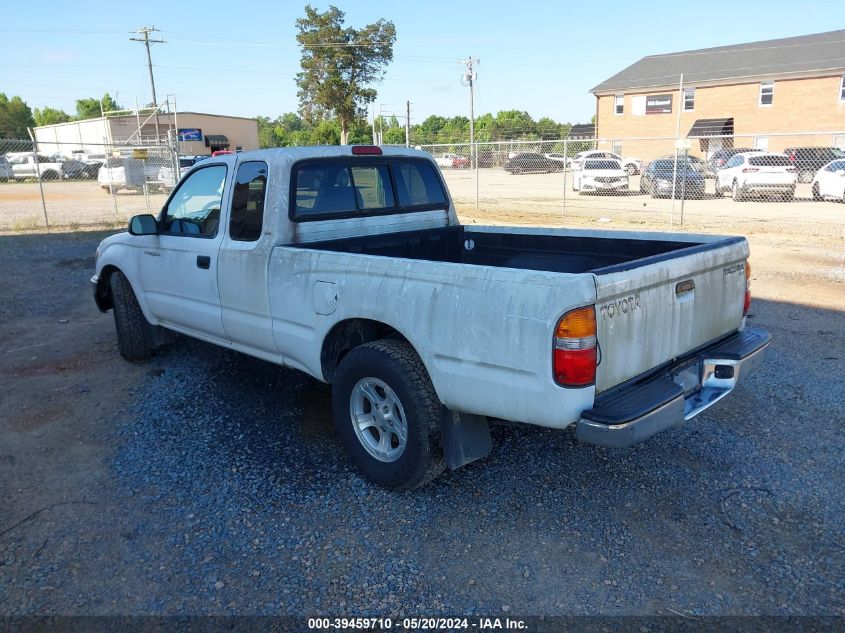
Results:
<point x="736" y="192"/>
<point x="631" y="170"/>
<point x="387" y="414"/>
<point x="817" y="194"/>
<point x="134" y="340"/>
<point x="805" y="175"/>
<point x="50" y="175"/>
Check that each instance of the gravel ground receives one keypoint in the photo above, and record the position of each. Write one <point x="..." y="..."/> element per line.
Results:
<point x="207" y="482"/>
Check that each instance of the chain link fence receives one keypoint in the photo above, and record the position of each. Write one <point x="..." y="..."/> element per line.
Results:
<point x="789" y="180"/>
<point x="64" y="187"/>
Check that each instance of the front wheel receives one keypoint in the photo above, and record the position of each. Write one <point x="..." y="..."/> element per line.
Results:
<point x="387" y="414"/>
<point x="631" y="170"/>
<point x="133" y="331"/>
<point x="805" y="176"/>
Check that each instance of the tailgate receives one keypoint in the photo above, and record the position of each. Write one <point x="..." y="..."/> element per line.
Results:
<point x="650" y="313"/>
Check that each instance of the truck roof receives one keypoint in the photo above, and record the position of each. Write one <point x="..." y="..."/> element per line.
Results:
<point x="316" y="151"/>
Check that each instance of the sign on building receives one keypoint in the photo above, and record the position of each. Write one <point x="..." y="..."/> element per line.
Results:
<point x="190" y="134"/>
<point x="658" y="104"/>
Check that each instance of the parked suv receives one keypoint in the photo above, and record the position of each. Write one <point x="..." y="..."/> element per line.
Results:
<point x="755" y="172"/>
<point x="657" y="179"/>
<point x="721" y="157"/>
<point x="808" y="160"/>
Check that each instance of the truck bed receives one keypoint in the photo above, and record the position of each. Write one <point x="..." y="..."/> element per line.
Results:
<point x="515" y="249"/>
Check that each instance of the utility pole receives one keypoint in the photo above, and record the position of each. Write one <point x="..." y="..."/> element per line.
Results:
<point x="469" y="78"/>
<point x="145" y="31"/>
<point x="407" y="124"/>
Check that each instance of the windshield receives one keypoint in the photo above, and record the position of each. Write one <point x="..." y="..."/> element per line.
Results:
<point x="602" y="164"/>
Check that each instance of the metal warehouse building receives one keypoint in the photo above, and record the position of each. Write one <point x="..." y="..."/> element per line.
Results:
<point x="199" y="133"/>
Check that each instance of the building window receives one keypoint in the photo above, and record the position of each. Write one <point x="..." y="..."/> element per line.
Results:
<point x="762" y="143"/>
<point x="618" y="104"/>
<point x="767" y="93"/>
<point x="842" y="90"/>
<point x="689" y="99"/>
<point x="616" y="146"/>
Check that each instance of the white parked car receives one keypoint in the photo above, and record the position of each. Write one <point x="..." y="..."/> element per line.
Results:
<point x="600" y="175"/>
<point x="451" y="160"/>
<point x="559" y="158"/>
<point x="757" y="172"/>
<point x="349" y="263"/>
<point x="829" y="181"/>
<point x="631" y="165"/>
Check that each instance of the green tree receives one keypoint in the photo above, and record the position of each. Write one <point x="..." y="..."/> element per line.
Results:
<point x="339" y="64"/>
<point x="15" y="117"/>
<point x="90" y="108"/>
<point x="50" y="116"/>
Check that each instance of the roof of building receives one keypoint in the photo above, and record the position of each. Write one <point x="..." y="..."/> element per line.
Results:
<point x="802" y="54"/>
<point x="582" y="130"/>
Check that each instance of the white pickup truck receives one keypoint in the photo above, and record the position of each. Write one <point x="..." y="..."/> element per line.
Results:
<point x="349" y="263"/>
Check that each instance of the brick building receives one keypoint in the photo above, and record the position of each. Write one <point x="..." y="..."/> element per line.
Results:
<point x="769" y="95"/>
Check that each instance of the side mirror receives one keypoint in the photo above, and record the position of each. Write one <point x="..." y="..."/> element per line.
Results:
<point x="143" y="225"/>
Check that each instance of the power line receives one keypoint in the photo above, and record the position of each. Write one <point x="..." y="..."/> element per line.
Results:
<point x="145" y="31"/>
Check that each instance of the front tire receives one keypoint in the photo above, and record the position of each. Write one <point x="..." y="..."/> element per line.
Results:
<point x="387" y="415"/>
<point x="631" y="170"/>
<point x="736" y="192"/>
<point x="133" y="331"/>
<point x="805" y="176"/>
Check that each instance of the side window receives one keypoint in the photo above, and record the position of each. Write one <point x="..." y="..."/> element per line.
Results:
<point x="248" y="196"/>
<point x="194" y="209"/>
<point x="372" y="187"/>
<point x="417" y="184"/>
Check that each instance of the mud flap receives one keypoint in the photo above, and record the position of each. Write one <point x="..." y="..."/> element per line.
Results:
<point x="465" y="437"/>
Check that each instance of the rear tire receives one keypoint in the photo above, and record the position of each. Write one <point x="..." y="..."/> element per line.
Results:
<point x="805" y="176"/>
<point x="402" y="385"/>
<point x="631" y="170"/>
<point x="50" y="175"/>
<point x="736" y="192"/>
<point x="134" y="340"/>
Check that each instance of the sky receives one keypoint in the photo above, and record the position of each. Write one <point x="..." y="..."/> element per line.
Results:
<point x="240" y="58"/>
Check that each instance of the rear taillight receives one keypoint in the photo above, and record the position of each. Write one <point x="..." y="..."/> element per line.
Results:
<point x="747" y="305"/>
<point x="749" y="170"/>
<point x="574" y="356"/>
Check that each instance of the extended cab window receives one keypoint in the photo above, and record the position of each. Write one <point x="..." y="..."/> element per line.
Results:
<point x="194" y="209"/>
<point x="248" y="202"/>
<point x="346" y="188"/>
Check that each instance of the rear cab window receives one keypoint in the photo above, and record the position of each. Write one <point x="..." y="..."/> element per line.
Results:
<point x="350" y="187"/>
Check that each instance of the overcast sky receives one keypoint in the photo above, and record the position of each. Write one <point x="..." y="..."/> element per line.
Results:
<point x="240" y="58"/>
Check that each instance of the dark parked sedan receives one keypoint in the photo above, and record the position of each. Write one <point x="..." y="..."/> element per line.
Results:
<point x="528" y="163"/>
<point x="657" y="179"/>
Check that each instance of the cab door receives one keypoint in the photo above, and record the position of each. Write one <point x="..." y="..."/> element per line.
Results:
<point x="179" y="267"/>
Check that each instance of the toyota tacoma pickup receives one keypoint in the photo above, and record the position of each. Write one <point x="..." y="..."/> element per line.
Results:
<point x="349" y="264"/>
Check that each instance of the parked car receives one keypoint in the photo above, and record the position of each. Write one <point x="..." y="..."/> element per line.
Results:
<point x="719" y="159"/>
<point x="757" y="172"/>
<point x="560" y="158"/>
<point x="658" y="177"/>
<point x="695" y="162"/>
<point x="24" y="166"/>
<point x="546" y="326"/>
<point x="486" y="158"/>
<point x="829" y="181"/>
<point x="529" y="162"/>
<point x="122" y="172"/>
<point x="808" y="160"/>
<point x="6" y="172"/>
<point x="600" y="175"/>
<point x="631" y="165"/>
<point x="449" y="160"/>
<point x="73" y="169"/>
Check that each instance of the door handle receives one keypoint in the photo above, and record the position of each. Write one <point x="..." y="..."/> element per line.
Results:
<point x="203" y="261"/>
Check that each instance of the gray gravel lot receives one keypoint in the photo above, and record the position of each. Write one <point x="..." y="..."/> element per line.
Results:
<point x="209" y="482"/>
